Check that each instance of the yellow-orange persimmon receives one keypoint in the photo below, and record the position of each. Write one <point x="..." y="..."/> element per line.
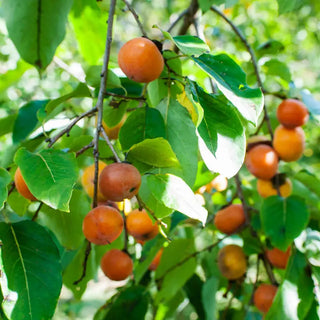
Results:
<point x="230" y="218"/>
<point x="266" y="188"/>
<point x="289" y="143"/>
<point x="262" y="161"/>
<point x="141" y="60"/>
<point x="278" y="258"/>
<point x="102" y="225"/>
<point x="292" y="113"/>
<point x="232" y="262"/>
<point x="263" y="297"/>
<point x="140" y="226"/>
<point x="116" y="265"/>
<point x="22" y="186"/>
<point x="87" y="180"/>
<point x="119" y="181"/>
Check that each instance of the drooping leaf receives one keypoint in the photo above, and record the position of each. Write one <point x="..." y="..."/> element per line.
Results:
<point x="231" y="80"/>
<point x="283" y="219"/>
<point x="26" y="120"/>
<point x="5" y="179"/>
<point x="175" y="268"/>
<point x="270" y="47"/>
<point x="274" y="67"/>
<point x="221" y="135"/>
<point x="144" y="123"/>
<point x="181" y="134"/>
<point x="155" y="152"/>
<point x="175" y="194"/>
<point x="50" y="175"/>
<point x="36" y="27"/>
<point x="296" y="291"/>
<point x="32" y="266"/>
<point x="67" y="226"/>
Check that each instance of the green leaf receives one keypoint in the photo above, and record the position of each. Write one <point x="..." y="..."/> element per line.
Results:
<point x="112" y="116"/>
<point x="159" y="209"/>
<point x="67" y="227"/>
<point x="18" y="203"/>
<point x="206" y="4"/>
<point x="283" y="219"/>
<point x="181" y="134"/>
<point x="32" y="266"/>
<point x="26" y="120"/>
<point x="285" y="6"/>
<point x="296" y="291"/>
<point x="93" y="78"/>
<point x="144" y="123"/>
<point x="174" y="268"/>
<point x="193" y="289"/>
<point x="270" y="47"/>
<point x="50" y="175"/>
<point x="309" y="180"/>
<point x="36" y="28"/>
<point x="131" y="303"/>
<point x="222" y="138"/>
<point x="275" y="67"/>
<point x="209" y="290"/>
<point x="154" y="152"/>
<point x="5" y="179"/>
<point x="6" y="124"/>
<point x="190" y="45"/>
<point x="48" y="113"/>
<point x="175" y="194"/>
<point x="231" y="80"/>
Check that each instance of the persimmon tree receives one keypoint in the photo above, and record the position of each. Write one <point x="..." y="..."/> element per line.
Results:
<point x="216" y="187"/>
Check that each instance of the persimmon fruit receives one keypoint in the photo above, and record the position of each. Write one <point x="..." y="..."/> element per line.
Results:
<point x="116" y="265"/>
<point x="102" y="225"/>
<point x="263" y="297"/>
<point x="289" y="143"/>
<point x="156" y="260"/>
<point x="87" y="180"/>
<point x="267" y="188"/>
<point x="119" y="181"/>
<point x="22" y="187"/>
<point x="140" y="226"/>
<point x="278" y="258"/>
<point x="262" y="161"/>
<point x="230" y="218"/>
<point x="141" y="60"/>
<point x="292" y="113"/>
<point x="232" y="262"/>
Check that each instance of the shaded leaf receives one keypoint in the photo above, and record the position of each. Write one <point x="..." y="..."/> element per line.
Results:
<point x="5" y="179"/>
<point x="32" y="266"/>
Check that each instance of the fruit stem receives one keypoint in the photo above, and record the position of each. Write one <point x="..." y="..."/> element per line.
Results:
<point x="84" y="264"/>
<point x="105" y="136"/>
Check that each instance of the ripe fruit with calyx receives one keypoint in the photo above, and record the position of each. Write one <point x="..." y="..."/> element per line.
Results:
<point x="263" y="297"/>
<point x="22" y="186"/>
<point x="292" y="113"/>
<point x="278" y="258"/>
<point x="119" y="181"/>
<point x="229" y="219"/>
<point x="102" y="225"/>
<point x="116" y="265"/>
<point x="232" y="262"/>
<point x="267" y="188"/>
<point x="87" y="180"/>
<point x="141" y="60"/>
<point x="262" y="161"/>
<point x="140" y="226"/>
<point x="289" y="143"/>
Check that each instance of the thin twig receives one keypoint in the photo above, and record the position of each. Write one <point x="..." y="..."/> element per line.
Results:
<point x="269" y="271"/>
<point x="253" y="60"/>
<point x="136" y="17"/>
<point x="105" y="136"/>
<point x="192" y="255"/>
<point x="175" y="22"/>
<point x="35" y="216"/>
<point x="11" y="188"/>
<point x="70" y="126"/>
<point x="83" y="149"/>
<point x="124" y="97"/>
<point x="84" y="263"/>
<point x="101" y="95"/>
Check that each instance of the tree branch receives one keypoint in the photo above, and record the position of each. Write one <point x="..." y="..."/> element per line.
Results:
<point x="174" y="23"/>
<point x="241" y="197"/>
<point x="84" y="264"/>
<point x="83" y="149"/>
<point x="136" y="17"/>
<point x="101" y="95"/>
